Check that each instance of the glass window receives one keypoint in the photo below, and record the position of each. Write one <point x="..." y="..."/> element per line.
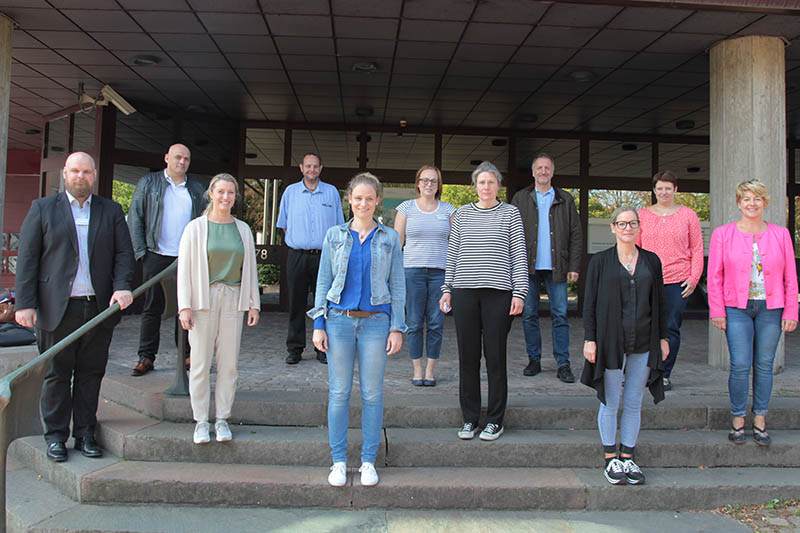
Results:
<point x="145" y="131"/>
<point x="125" y="179"/>
<point x="264" y="146"/>
<point x="336" y="148"/>
<point x="797" y="226"/>
<point x="406" y="152"/>
<point x="565" y="152"/>
<point x="83" y="132"/>
<point x="687" y="161"/>
<point x="210" y="140"/>
<point x="602" y="203"/>
<point x="620" y="159"/>
<point x="52" y="182"/>
<point x="465" y="152"/>
<point x="56" y="137"/>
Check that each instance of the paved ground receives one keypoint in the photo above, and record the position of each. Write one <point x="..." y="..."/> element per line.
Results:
<point x="262" y="366"/>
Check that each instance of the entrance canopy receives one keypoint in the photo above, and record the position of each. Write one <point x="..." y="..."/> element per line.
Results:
<point x="624" y="68"/>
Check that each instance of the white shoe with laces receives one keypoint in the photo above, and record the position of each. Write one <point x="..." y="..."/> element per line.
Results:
<point x="223" y="431"/>
<point x="338" y="475"/>
<point x="201" y="435"/>
<point x="369" y="477"/>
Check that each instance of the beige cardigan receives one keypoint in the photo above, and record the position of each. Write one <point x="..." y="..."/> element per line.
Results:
<point x="193" y="283"/>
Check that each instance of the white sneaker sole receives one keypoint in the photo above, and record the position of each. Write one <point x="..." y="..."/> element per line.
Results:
<point x="463" y="435"/>
<point x="202" y="441"/>
<point x="224" y="439"/>
<point x="612" y="480"/>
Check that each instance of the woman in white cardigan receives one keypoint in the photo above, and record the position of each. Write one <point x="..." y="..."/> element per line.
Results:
<point x="217" y="282"/>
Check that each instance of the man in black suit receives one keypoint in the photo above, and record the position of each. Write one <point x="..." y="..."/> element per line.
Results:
<point x="75" y="259"/>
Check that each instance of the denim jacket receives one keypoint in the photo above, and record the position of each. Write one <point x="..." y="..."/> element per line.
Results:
<point x="387" y="274"/>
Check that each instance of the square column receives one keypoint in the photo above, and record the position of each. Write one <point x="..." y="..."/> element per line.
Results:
<point x="6" y="29"/>
<point x="748" y="140"/>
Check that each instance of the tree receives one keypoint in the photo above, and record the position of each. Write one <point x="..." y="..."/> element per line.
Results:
<point x="122" y="193"/>
<point x="459" y="195"/>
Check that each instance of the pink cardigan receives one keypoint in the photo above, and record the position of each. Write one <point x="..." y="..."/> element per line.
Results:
<point x="730" y="256"/>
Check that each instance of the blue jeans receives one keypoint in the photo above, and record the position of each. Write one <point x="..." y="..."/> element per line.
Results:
<point x="636" y="373"/>
<point x="674" y="306"/>
<point x="753" y="334"/>
<point x="423" y="291"/>
<point x="557" y="292"/>
<point x="368" y="337"/>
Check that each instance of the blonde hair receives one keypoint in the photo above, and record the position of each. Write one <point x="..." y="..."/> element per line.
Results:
<point x="365" y="178"/>
<point x="754" y="186"/>
<point x="216" y="179"/>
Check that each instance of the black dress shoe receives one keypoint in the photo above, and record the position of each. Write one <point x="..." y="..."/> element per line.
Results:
<point x="533" y="368"/>
<point x="293" y="358"/>
<point x="322" y="357"/>
<point x="565" y="374"/>
<point x="57" y="452"/>
<point x="88" y="447"/>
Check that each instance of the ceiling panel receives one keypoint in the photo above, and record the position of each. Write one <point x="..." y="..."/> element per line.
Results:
<point x="439" y="10"/>
<point x="111" y="20"/>
<point x="430" y="30"/>
<point x="487" y="33"/>
<point x="234" y="23"/>
<point x="509" y="11"/>
<point x="365" y="28"/>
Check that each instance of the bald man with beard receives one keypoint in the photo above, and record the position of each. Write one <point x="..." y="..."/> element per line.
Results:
<point x="163" y="204"/>
<point x="75" y="260"/>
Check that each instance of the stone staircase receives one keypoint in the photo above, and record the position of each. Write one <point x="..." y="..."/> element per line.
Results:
<point x="548" y="459"/>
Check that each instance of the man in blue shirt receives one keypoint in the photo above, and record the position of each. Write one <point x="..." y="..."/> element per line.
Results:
<point x="554" y="244"/>
<point x="308" y="208"/>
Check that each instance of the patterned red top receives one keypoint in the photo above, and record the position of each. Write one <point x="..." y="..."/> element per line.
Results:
<point x="678" y="242"/>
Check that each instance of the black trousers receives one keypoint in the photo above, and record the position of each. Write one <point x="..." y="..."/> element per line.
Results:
<point x="154" y="302"/>
<point x="482" y="319"/>
<point x="301" y="276"/>
<point x="72" y="384"/>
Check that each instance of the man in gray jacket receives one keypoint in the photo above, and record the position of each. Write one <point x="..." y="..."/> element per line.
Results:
<point x="554" y="244"/>
<point x="163" y="203"/>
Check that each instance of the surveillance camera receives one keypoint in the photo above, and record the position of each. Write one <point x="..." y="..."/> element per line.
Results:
<point x="110" y="95"/>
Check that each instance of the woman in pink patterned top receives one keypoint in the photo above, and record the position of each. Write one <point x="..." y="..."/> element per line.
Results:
<point x="673" y="232"/>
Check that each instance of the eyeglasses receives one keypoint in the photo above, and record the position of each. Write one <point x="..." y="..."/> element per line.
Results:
<point x="622" y="224"/>
<point x="426" y="181"/>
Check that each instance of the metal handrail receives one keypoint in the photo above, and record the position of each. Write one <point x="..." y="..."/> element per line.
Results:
<point x="20" y="390"/>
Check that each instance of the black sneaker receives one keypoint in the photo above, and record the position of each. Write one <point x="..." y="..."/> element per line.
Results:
<point x="467" y="431"/>
<point x="293" y="358"/>
<point x="565" y="374"/>
<point x="615" y="472"/>
<point x="667" y="384"/>
<point x="491" y="431"/>
<point x="632" y="472"/>
<point x="533" y="368"/>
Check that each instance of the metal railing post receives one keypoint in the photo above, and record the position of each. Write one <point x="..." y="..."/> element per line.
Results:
<point x="180" y="386"/>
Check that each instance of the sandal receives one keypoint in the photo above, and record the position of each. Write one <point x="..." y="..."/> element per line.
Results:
<point x="736" y="435"/>
<point x="761" y="436"/>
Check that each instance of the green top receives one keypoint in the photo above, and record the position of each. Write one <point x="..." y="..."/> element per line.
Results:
<point x="225" y="253"/>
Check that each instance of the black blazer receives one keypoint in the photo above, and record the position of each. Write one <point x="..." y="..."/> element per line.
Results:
<point x="48" y="257"/>
<point x="602" y="319"/>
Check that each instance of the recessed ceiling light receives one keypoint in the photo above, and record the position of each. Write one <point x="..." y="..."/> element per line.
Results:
<point x="364" y="111"/>
<point x="629" y="147"/>
<point x="56" y="148"/>
<point x="499" y="142"/>
<point x="33" y="131"/>
<point x="582" y="76"/>
<point x="365" y="67"/>
<point x="528" y="117"/>
<point x="693" y="170"/>
<point x="358" y="137"/>
<point x="250" y="155"/>
<point x="146" y="60"/>
<point x="684" y="124"/>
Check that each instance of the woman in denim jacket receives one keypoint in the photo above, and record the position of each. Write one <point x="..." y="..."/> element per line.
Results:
<point x="359" y="306"/>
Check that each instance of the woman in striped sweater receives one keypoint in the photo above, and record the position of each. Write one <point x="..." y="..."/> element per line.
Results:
<point x="486" y="280"/>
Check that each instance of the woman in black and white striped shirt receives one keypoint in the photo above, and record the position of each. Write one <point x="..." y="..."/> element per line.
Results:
<point x="486" y="280"/>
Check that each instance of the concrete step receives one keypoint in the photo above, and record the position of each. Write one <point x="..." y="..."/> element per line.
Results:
<point x="428" y="410"/>
<point x="35" y="506"/>
<point x="114" y="481"/>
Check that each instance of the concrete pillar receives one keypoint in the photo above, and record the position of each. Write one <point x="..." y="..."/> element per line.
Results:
<point x="6" y="29"/>
<point x="748" y="139"/>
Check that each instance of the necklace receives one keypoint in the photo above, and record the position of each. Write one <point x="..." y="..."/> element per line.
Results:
<point x="629" y="264"/>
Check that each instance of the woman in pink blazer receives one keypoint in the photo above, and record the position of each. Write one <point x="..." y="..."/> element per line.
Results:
<point x="752" y="296"/>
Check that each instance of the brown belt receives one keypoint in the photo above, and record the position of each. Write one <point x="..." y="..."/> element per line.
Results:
<point x="358" y="314"/>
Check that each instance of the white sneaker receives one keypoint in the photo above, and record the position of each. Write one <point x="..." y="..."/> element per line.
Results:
<point x="223" y="431"/>
<point x="467" y="431"/>
<point x="201" y="435"/>
<point x="369" y="477"/>
<point x="491" y="431"/>
<point x="338" y="475"/>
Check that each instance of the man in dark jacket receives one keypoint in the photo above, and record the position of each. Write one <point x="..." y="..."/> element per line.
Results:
<point x="163" y="203"/>
<point x="554" y="245"/>
<point x="75" y="260"/>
